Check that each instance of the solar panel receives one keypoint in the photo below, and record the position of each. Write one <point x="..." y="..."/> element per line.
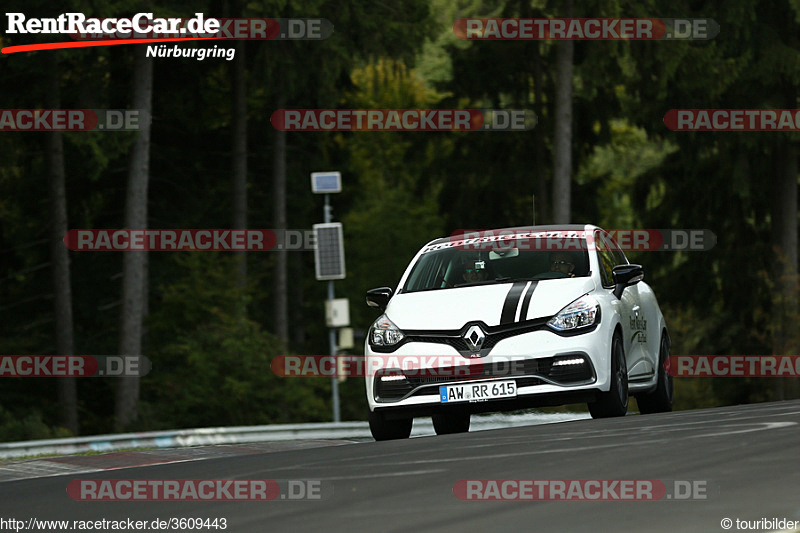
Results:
<point x="326" y="182"/>
<point x="329" y="251"/>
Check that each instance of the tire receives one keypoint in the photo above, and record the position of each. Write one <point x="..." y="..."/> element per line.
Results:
<point x="451" y="421"/>
<point x="383" y="429"/>
<point x="615" y="401"/>
<point x="659" y="400"/>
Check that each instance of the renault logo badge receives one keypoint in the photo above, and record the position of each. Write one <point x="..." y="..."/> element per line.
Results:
<point x="474" y="338"/>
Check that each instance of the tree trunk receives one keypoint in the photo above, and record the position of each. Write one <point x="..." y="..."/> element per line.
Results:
<point x="134" y="263"/>
<point x="538" y="143"/>
<point x="280" y="279"/>
<point x="240" y="157"/>
<point x="59" y="256"/>
<point x="298" y="334"/>
<point x="562" y="157"/>
<point x="784" y="216"/>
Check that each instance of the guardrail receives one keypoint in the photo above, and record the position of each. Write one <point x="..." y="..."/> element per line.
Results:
<point x="178" y="438"/>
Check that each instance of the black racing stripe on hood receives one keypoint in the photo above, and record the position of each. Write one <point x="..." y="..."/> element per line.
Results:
<point x="523" y="313"/>
<point x="512" y="299"/>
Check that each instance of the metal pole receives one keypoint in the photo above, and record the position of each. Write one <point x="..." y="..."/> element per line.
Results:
<point x="337" y="416"/>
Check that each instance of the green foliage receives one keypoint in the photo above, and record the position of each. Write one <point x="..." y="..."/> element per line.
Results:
<point x="211" y="364"/>
<point x="18" y="426"/>
<point x="397" y="209"/>
<point x="617" y="166"/>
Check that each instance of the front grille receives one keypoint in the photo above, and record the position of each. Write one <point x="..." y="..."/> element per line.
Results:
<point x="455" y="338"/>
<point x="526" y="372"/>
<point x="456" y="342"/>
<point x="493" y="338"/>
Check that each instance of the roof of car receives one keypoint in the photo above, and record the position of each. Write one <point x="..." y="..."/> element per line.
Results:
<point x="520" y="229"/>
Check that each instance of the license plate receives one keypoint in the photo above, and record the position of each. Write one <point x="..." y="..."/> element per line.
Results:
<point x="477" y="392"/>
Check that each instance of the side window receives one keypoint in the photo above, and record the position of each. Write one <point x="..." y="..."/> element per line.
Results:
<point x="619" y="256"/>
<point x="428" y="272"/>
<point x="606" y="259"/>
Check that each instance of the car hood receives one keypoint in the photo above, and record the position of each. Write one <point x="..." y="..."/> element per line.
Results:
<point x="492" y="304"/>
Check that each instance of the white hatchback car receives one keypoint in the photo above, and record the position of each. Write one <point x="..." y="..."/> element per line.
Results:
<point x="515" y="318"/>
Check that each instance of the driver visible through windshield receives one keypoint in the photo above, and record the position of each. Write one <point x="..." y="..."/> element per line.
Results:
<point x="456" y="267"/>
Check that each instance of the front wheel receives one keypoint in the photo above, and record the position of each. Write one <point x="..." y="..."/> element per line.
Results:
<point x="615" y="401"/>
<point x="383" y="429"/>
<point x="660" y="399"/>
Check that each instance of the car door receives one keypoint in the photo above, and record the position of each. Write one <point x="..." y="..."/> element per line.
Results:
<point x="631" y="315"/>
<point x="640" y="365"/>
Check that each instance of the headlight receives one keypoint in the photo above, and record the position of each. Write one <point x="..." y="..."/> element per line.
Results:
<point x="384" y="333"/>
<point x="581" y="313"/>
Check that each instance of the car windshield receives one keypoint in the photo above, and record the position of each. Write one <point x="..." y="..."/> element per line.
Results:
<point x="450" y="267"/>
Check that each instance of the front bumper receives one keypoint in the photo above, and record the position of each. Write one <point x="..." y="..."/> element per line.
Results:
<point x="406" y="382"/>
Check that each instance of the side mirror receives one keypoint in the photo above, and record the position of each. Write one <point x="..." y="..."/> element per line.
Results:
<point x="625" y="276"/>
<point x="379" y="298"/>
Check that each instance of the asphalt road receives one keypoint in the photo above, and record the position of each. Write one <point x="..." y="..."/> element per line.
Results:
<point x="746" y="457"/>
